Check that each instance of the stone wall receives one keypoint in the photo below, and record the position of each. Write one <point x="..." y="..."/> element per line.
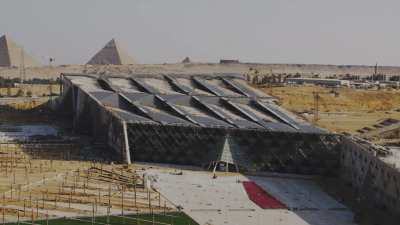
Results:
<point x="376" y="181"/>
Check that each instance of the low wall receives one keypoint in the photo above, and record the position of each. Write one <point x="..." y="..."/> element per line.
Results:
<point x="376" y="181"/>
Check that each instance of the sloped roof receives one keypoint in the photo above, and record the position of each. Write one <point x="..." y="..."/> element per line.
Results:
<point x="13" y="55"/>
<point x="112" y="54"/>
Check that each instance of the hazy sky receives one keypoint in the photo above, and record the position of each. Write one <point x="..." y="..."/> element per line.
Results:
<point x="158" y="31"/>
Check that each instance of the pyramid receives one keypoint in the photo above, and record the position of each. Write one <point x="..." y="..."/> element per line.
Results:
<point x="111" y="54"/>
<point x="186" y="60"/>
<point x="12" y="55"/>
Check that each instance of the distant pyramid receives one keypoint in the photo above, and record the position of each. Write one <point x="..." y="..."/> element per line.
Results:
<point x="186" y="60"/>
<point x="12" y="55"/>
<point x="111" y="54"/>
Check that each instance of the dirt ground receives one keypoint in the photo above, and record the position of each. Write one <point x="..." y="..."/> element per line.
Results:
<point x="347" y="111"/>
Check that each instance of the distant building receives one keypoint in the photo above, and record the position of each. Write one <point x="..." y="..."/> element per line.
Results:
<point x="362" y="84"/>
<point x="318" y="81"/>
<point x="393" y="84"/>
<point x="228" y="61"/>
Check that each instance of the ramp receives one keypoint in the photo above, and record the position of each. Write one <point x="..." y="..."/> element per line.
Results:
<point x="261" y="197"/>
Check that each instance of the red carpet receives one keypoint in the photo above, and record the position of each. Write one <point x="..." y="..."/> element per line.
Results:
<point x="261" y="197"/>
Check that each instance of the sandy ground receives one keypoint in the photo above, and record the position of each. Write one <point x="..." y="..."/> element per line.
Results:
<point x="350" y="110"/>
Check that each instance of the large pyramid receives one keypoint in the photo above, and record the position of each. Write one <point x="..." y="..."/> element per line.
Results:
<point x="111" y="54"/>
<point x="13" y="55"/>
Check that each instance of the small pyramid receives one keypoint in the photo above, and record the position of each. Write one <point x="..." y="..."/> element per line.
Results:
<point x="186" y="60"/>
<point x="11" y="55"/>
<point x="111" y="54"/>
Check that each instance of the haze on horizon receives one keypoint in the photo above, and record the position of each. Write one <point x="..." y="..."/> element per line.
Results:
<point x="277" y="31"/>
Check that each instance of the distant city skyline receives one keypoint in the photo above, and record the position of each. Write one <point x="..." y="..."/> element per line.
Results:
<point x="278" y="31"/>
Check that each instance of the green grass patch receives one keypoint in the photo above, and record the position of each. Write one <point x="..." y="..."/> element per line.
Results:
<point x="176" y="218"/>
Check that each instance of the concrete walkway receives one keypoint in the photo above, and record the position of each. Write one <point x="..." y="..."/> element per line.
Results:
<point x="223" y="201"/>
